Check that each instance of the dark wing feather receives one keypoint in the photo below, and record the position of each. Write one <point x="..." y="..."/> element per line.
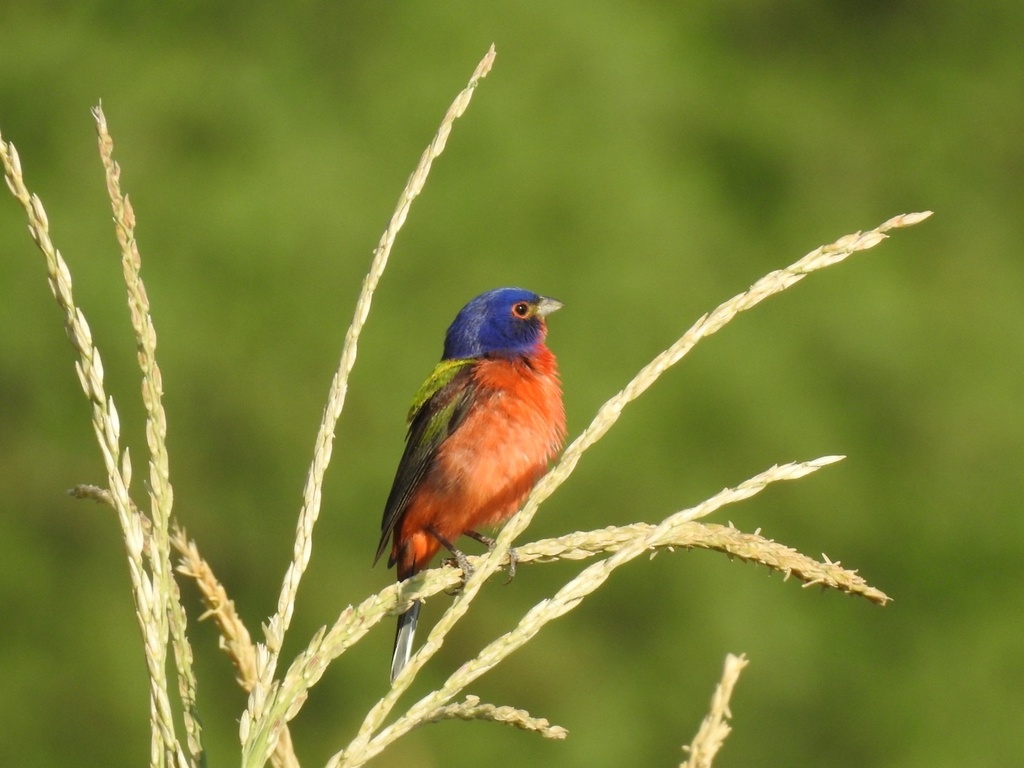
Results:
<point x="439" y="409"/>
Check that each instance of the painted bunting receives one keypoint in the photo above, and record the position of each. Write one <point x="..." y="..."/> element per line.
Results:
<point x="482" y="430"/>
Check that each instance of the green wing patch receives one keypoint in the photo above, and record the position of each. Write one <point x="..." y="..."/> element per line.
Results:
<point x="442" y="374"/>
<point x="437" y="410"/>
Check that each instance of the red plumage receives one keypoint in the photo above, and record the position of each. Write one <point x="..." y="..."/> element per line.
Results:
<point x="483" y="472"/>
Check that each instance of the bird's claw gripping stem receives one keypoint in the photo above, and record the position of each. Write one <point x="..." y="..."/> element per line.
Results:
<point x="487" y="541"/>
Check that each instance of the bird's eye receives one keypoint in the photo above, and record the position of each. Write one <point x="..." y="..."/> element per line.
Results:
<point x="521" y="309"/>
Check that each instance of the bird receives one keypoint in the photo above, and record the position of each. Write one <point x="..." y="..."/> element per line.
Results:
<point x="482" y="430"/>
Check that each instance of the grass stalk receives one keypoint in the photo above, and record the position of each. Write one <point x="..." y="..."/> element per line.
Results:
<point x="171" y="620"/>
<point x="149" y="597"/>
<point x="257" y="724"/>
<point x="715" y="728"/>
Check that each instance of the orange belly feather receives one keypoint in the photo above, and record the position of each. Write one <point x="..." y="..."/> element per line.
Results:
<point x="486" y="468"/>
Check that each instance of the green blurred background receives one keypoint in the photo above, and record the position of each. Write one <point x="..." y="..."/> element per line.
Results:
<point x="641" y="162"/>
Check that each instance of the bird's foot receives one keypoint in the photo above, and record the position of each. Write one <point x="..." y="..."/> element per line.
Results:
<point x="463" y="562"/>
<point x="513" y="559"/>
<point x="458" y="558"/>
<point x="460" y="561"/>
<point x="487" y="541"/>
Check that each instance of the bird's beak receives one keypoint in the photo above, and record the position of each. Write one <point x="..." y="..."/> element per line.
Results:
<point x="546" y="306"/>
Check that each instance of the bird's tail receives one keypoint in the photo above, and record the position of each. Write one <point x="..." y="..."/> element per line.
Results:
<point x="403" y="639"/>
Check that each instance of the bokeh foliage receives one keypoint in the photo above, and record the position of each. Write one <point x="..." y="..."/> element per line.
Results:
<point x="641" y="162"/>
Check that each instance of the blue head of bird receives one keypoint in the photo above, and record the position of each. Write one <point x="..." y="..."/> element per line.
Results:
<point x="503" y="322"/>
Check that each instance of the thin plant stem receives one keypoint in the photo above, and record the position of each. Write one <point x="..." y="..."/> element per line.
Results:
<point x="149" y="608"/>
<point x="256" y="729"/>
<point x="715" y="728"/>
<point x="171" y="617"/>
